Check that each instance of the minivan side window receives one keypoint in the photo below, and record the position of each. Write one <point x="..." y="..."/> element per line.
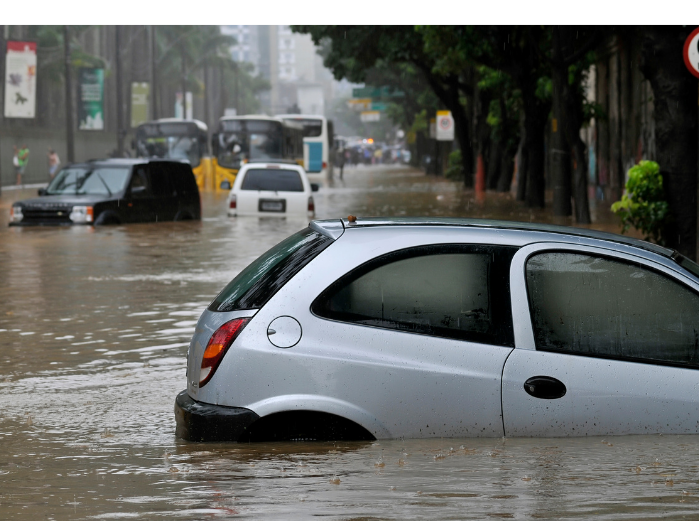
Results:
<point x="451" y="291"/>
<point x="597" y="306"/>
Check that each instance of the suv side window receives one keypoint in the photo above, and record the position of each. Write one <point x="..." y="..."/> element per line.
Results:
<point x="597" y="306"/>
<point x="139" y="186"/>
<point x="452" y="291"/>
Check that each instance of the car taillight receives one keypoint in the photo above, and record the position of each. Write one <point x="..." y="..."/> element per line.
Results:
<point x="325" y="165"/>
<point x="233" y="202"/>
<point x="216" y="349"/>
<point x="311" y="204"/>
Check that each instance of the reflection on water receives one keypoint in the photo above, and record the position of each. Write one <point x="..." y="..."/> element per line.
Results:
<point x="94" y="326"/>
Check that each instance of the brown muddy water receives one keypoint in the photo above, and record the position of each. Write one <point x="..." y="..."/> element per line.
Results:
<point x="94" y="327"/>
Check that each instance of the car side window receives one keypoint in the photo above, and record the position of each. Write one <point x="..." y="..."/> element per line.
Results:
<point x="452" y="291"/>
<point x="139" y="183"/>
<point x="597" y="306"/>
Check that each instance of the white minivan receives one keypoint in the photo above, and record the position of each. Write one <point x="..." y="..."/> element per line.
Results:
<point x="272" y="188"/>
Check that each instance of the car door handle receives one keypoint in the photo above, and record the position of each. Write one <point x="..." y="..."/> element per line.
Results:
<point x="545" y="387"/>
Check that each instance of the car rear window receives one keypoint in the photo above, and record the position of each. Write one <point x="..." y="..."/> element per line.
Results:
<point x="273" y="179"/>
<point x="257" y="283"/>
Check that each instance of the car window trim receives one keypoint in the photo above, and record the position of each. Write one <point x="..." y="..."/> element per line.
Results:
<point x="392" y="256"/>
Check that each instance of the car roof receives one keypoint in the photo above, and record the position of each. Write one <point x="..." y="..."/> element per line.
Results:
<point x="282" y="165"/>
<point x="333" y="226"/>
<point x="200" y="124"/>
<point x="248" y="117"/>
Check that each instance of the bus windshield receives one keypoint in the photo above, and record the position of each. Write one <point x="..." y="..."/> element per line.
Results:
<point x="168" y="141"/>
<point x="241" y="140"/>
<point x="83" y="180"/>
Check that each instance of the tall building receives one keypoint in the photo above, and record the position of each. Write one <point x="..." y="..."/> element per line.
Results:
<point x="247" y="47"/>
<point x="290" y="62"/>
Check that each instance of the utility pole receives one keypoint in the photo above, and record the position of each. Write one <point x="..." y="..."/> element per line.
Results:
<point x="184" y="83"/>
<point x="119" y="95"/>
<point x="70" y="142"/>
<point x="237" y="90"/>
<point x="153" y="74"/>
<point x="206" y="92"/>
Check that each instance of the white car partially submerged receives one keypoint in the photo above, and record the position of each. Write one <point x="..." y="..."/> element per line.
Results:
<point x="368" y="328"/>
<point x="271" y="188"/>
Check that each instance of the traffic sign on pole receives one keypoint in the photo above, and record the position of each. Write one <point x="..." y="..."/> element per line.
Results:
<point x="691" y="52"/>
<point x="445" y="126"/>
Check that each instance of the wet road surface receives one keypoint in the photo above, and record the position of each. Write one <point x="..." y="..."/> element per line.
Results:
<point x="94" y="327"/>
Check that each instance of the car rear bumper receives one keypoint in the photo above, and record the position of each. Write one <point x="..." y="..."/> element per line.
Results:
<point x="198" y="421"/>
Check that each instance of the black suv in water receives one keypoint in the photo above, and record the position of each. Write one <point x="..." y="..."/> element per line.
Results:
<point x="114" y="191"/>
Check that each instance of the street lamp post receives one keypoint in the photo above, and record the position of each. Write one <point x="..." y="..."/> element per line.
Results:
<point x="70" y="143"/>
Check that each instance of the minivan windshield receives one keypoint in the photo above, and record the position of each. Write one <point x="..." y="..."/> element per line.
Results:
<point x="272" y="179"/>
<point x="84" y="180"/>
<point x="257" y="283"/>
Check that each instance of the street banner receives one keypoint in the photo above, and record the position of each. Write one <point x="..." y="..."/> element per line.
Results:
<point x="20" y="80"/>
<point x="370" y="116"/>
<point x="445" y="126"/>
<point x="91" y="101"/>
<point x="139" y="103"/>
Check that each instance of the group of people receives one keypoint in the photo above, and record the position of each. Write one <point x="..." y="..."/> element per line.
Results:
<point x="20" y="160"/>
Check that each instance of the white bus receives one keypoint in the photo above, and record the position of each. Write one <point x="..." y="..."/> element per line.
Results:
<point x="317" y="145"/>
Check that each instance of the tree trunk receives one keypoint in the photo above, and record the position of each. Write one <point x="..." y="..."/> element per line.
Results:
<point x="559" y="150"/>
<point x="494" y="159"/>
<point x="506" y="171"/>
<point x="464" y="139"/>
<point x="535" y="117"/>
<point x="675" y="112"/>
<point x="522" y="167"/>
<point x="582" y="206"/>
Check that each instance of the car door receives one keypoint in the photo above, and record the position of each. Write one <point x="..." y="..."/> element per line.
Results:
<point x="165" y="204"/>
<point x="607" y="343"/>
<point x="139" y="203"/>
<point x="417" y="338"/>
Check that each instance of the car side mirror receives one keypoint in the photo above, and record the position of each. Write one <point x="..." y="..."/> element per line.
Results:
<point x="225" y="185"/>
<point x="315" y="187"/>
<point x="41" y="192"/>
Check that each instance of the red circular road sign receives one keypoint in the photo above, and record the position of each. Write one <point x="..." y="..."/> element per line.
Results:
<point x="445" y="122"/>
<point x="691" y="52"/>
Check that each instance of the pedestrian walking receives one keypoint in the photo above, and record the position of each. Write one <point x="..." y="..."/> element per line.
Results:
<point x="15" y="161"/>
<point x="22" y="159"/>
<point x="54" y="162"/>
<point x="341" y="156"/>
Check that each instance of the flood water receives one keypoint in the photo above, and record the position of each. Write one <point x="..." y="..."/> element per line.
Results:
<point x="94" y="327"/>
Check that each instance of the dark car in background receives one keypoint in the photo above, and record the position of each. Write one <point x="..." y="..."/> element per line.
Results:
<point x="114" y="191"/>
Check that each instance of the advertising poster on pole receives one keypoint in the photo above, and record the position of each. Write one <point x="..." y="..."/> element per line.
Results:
<point x="139" y="103"/>
<point x="20" y="80"/>
<point x="91" y="105"/>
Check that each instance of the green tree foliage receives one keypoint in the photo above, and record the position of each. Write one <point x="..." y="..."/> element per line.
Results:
<point x="643" y="204"/>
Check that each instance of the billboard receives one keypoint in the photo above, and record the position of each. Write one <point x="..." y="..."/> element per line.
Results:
<point x="139" y="103"/>
<point x="91" y="104"/>
<point x="20" y="79"/>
